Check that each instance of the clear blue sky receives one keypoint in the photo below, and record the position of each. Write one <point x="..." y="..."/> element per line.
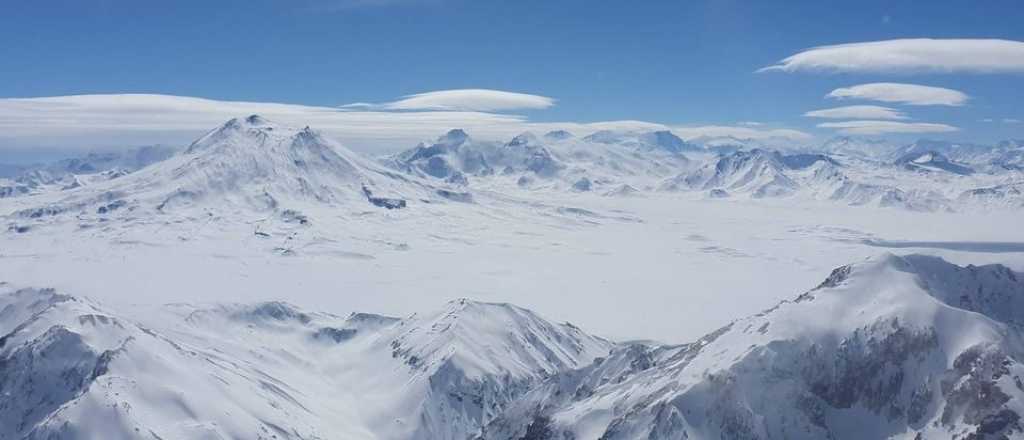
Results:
<point x="673" y="62"/>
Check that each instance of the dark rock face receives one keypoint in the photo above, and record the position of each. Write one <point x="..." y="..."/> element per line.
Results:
<point x="458" y="179"/>
<point x="437" y="167"/>
<point x="462" y="197"/>
<point x="293" y="216"/>
<point x="558" y="135"/>
<point x="13" y="191"/>
<point x="28" y="371"/>
<point x="111" y="207"/>
<point x="925" y="160"/>
<point x="800" y="161"/>
<point x="539" y="429"/>
<point x="667" y="141"/>
<point x="383" y="202"/>
<point x="866" y="368"/>
<point x="718" y="193"/>
<point x="336" y="335"/>
<point x="971" y="391"/>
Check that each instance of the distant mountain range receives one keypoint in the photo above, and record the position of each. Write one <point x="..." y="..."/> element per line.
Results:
<point x="926" y="175"/>
<point x="279" y="177"/>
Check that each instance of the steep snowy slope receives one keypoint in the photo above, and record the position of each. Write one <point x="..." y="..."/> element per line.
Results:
<point x="895" y="347"/>
<point x="71" y="368"/>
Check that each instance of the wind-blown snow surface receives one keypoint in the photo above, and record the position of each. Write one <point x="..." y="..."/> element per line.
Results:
<point x="890" y="347"/>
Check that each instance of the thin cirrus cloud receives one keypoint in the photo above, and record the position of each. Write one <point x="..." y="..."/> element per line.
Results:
<point x="480" y="100"/>
<point x="912" y="55"/>
<point x="910" y="94"/>
<point x="105" y="121"/>
<point x="742" y="131"/>
<point x="857" y="112"/>
<point x="886" y="127"/>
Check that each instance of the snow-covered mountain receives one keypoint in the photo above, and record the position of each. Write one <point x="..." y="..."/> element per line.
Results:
<point x="256" y="165"/>
<point x="847" y="170"/>
<point x="857" y="147"/>
<point x="894" y="347"/>
<point x="1005" y="155"/>
<point x="72" y="368"/>
<point x="757" y="172"/>
<point x="72" y="173"/>
<point x="929" y="161"/>
<point x="248" y="167"/>
<point x="603" y="162"/>
<point x="925" y="181"/>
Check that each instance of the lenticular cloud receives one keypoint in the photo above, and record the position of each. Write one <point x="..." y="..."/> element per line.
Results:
<point x="909" y="56"/>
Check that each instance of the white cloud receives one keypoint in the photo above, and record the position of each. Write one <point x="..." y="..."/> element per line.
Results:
<point x="910" y="55"/>
<point x="481" y="100"/>
<point x="1011" y="121"/>
<point x="91" y="121"/>
<point x="883" y="127"/>
<point x="740" y="132"/>
<point x="912" y="94"/>
<point x="857" y="112"/>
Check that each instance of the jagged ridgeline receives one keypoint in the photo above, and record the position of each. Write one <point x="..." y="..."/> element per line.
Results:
<point x="894" y="346"/>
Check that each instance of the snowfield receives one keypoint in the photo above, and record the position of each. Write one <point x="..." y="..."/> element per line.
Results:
<point x="267" y="282"/>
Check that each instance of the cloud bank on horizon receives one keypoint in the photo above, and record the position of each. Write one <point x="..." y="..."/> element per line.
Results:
<point x="871" y="128"/>
<point x="91" y="121"/>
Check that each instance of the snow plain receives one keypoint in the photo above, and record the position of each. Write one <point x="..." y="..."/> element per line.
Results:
<point x="665" y="266"/>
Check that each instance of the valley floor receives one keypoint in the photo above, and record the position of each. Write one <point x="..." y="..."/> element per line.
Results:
<point x="669" y="267"/>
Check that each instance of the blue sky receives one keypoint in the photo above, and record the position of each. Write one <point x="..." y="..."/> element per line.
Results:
<point x="679" y="63"/>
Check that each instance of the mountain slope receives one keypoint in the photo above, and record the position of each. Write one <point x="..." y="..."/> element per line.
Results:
<point x="248" y="167"/>
<point x="68" y="174"/>
<point x="896" y="347"/>
<point x="602" y="161"/>
<point x="72" y="368"/>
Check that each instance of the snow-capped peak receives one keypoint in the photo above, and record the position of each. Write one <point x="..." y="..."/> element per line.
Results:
<point x="558" y="135"/>
<point x="477" y="337"/>
<point x="453" y="137"/>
